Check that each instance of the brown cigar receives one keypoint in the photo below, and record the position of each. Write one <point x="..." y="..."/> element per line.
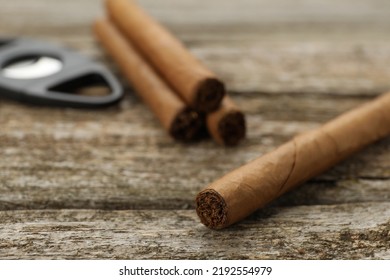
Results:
<point x="182" y="123"/>
<point x="227" y="125"/>
<point x="252" y="186"/>
<point x="197" y="85"/>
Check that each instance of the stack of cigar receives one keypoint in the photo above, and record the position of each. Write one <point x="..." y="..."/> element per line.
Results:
<point x="184" y="95"/>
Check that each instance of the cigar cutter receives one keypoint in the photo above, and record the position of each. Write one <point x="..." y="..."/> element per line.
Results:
<point x="46" y="74"/>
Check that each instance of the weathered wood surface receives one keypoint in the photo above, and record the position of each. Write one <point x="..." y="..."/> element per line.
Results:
<point x="290" y="67"/>
<point x="310" y="232"/>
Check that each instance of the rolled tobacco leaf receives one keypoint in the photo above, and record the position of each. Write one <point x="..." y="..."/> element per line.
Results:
<point x="227" y="125"/>
<point x="181" y="122"/>
<point x="250" y="187"/>
<point x="196" y="84"/>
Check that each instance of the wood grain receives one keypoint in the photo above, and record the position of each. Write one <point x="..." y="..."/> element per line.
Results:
<point x="290" y="66"/>
<point x="262" y="46"/>
<point x="80" y="159"/>
<point x="326" y="232"/>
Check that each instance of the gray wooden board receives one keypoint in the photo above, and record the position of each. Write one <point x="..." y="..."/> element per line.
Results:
<point x="80" y="159"/>
<point x="290" y="66"/>
<point x="302" y="232"/>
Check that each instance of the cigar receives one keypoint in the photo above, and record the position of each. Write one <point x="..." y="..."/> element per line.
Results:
<point x="227" y="125"/>
<point x="181" y="122"/>
<point x="252" y="186"/>
<point x="196" y="85"/>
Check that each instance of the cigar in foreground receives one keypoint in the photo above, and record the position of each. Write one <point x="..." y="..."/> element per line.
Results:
<point x="196" y="85"/>
<point x="252" y="186"/>
<point x="182" y="123"/>
<point x="227" y="125"/>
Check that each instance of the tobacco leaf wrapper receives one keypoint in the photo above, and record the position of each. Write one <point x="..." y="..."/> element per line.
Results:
<point x="227" y="125"/>
<point x="252" y="186"/>
<point x="182" y="123"/>
<point x="196" y="84"/>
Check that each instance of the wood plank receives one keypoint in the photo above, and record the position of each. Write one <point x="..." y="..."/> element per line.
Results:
<point x="262" y="46"/>
<point x="188" y="12"/>
<point x="290" y="65"/>
<point x="320" y="232"/>
<point x="81" y="159"/>
<point x="121" y="159"/>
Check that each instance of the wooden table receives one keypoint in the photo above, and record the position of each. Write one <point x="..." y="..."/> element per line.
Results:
<point x="111" y="184"/>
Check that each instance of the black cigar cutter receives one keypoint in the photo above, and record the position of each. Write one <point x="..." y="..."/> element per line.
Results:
<point x="46" y="74"/>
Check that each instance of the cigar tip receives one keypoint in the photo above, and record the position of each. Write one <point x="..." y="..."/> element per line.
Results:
<point x="211" y="209"/>
<point x="188" y="126"/>
<point x="232" y="128"/>
<point x="210" y="93"/>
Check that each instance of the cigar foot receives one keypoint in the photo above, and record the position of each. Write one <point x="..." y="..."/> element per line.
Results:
<point x="211" y="209"/>
<point x="210" y="93"/>
<point x="188" y="126"/>
<point x="232" y="128"/>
